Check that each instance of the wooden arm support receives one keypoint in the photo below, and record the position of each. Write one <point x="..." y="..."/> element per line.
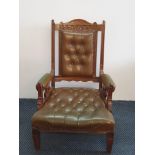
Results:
<point x="44" y="88"/>
<point x="107" y="87"/>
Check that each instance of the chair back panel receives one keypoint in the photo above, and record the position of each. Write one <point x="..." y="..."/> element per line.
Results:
<point x="77" y="53"/>
<point x="77" y="49"/>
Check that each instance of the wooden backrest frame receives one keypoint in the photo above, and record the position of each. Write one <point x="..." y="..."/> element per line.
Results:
<point x="77" y="25"/>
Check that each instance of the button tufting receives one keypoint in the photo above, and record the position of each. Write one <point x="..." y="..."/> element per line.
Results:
<point x="79" y="48"/>
<point x="72" y="106"/>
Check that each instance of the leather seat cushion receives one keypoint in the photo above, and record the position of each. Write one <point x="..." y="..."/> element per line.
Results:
<point x="76" y="108"/>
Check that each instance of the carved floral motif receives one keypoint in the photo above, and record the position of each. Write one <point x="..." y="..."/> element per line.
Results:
<point x="77" y="27"/>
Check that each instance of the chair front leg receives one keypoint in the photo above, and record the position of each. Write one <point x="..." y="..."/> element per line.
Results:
<point x="36" y="138"/>
<point x="110" y="138"/>
<point x="109" y="100"/>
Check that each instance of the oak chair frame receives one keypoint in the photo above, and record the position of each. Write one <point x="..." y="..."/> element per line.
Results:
<point x="47" y="83"/>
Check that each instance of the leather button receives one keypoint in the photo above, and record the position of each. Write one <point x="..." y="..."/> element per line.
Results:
<point x="69" y="67"/>
<point x="70" y="99"/>
<point x="90" y="109"/>
<point x="67" y="109"/>
<point x="67" y="57"/>
<point x="97" y="105"/>
<point x="56" y="109"/>
<point x="85" y="94"/>
<point x="78" y="47"/>
<point x="83" y="57"/>
<point x="51" y="104"/>
<point x="78" y="67"/>
<point x="71" y="51"/>
<point x="63" y="105"/>
<point x="85" y="104"/>
<point x="76" y="94"/>
<point x="79" y="109"/>
<point x="58" y="100"/>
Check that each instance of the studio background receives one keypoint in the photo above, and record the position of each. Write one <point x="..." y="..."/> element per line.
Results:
<point x="35" y="40"/>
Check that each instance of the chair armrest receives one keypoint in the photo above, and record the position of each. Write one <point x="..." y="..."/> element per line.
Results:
<point x="45" y="79"/>
<point x="107" y="87"/>
<point x="44" y="89"/>
<point x="107" y="82"/>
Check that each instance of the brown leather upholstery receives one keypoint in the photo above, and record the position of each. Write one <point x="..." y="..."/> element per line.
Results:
<point x="75" y="108"/>
<point x="77" y="52"/>
<point x="107" y="82"/>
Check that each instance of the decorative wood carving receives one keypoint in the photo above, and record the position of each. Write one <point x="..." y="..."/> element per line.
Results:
<point x="40" y="95"/>
<point x="77" y="27"/>
<point x="78" y="22"/>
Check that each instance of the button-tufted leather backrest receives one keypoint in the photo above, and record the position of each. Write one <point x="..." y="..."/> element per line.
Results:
<point x="77" y="50"/>
<point x="77" y="53"/>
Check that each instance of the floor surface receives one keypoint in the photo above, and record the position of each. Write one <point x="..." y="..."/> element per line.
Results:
<point x="79" y="144"/>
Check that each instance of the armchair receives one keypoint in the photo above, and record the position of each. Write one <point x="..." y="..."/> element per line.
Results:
<point x="75" y="110"/>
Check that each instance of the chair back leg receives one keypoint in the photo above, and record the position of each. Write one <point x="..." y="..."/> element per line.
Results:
<point x="36" y="138"/>
<point x="110" y="138"/>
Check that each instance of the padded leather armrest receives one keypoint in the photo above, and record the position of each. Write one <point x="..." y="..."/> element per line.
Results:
<point x="41" y="86"/>
<point x="107" y="82"/>
<point x="45" y="79"/>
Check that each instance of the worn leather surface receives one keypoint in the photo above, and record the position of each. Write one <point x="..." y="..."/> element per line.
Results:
<point x="77" y="51"/>
<point x="107" y="81"/>
<point x="75" y="108"/>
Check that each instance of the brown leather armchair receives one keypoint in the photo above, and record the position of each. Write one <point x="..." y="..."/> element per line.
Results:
<point x="75" y="110"/>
